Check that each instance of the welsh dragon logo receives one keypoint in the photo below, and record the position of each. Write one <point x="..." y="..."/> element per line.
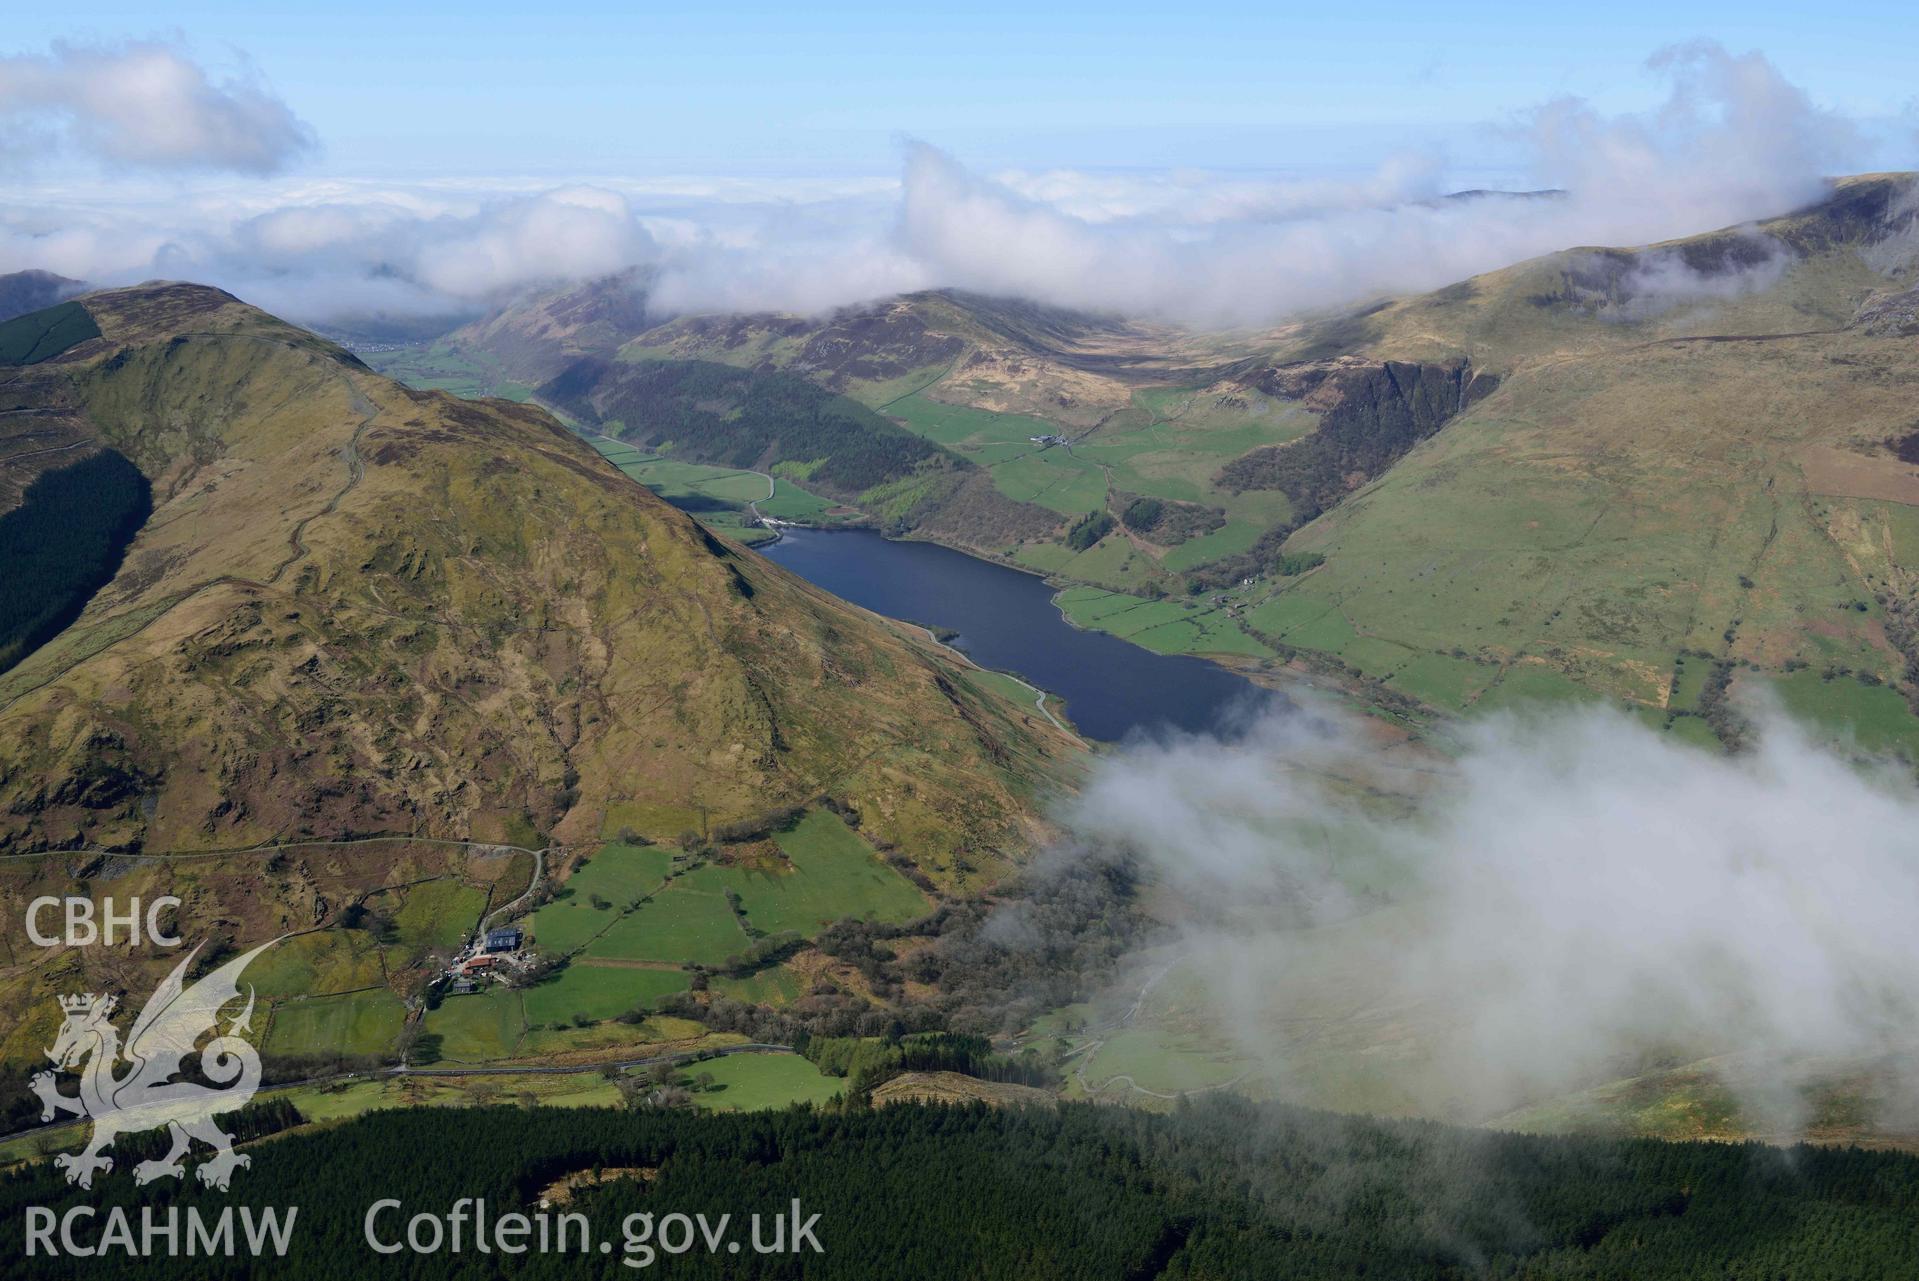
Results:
<point x="145" y="1096"/>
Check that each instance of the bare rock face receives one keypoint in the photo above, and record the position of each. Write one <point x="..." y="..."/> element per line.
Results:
<point x="1889" y="315"/>
<point x="1371" y="414"/>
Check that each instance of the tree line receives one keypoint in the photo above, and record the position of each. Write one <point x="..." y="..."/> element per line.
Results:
<point x="1219" y="1189"/>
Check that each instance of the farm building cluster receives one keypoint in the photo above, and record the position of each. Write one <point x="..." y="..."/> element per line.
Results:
<point x="492" y="956"/>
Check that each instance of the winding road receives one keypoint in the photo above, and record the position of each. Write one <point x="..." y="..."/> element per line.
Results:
<point x="1039" y="695"/>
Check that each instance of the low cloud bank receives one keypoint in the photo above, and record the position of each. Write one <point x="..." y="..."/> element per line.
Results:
<point x="1578" y="898"/>
<point x="1731" y="141"/>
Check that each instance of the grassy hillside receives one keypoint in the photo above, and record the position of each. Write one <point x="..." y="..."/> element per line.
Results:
<point x="463" y="609"/>
<point x="973" y="378"/>
<point x="717" y="413"/>
<point x="1572" y="477"/>
<point x="1669" y="497"/>
<point x="537" y="337"/>
<point x="359" y="611"/>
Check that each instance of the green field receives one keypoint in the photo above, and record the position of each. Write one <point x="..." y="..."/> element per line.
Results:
<point x="1873" y="718"/>
<point x="1441" y="681"/>
<point x="688" y="922"/>
<point x="790" y="502"/>
<point x="340" y="1101"/>
<point x="547" y="1041"/>
<point x="598" y="992"/>
<point x="1049" y="475"/>
<point x="314" y="964"/>
<point x="351" y="1023"/>
<point x="1688" y="682"/>
<point x="716" y="496"/>
<point x="478" y="1027"/>
<point x="757" y="1082"/>
<point x="618" y="875"/>
<point x="1182" y="625"/>
<point x="1530" y="685"/>
<point x="436" y="367"/>
<point x="828" y="872"/>
<point x="835" y="874"/>
<point x="768" y="987"/>
<point x="678" y="481"/>
<point x="434" y="916"/>
<point x="1162" y="1061"/>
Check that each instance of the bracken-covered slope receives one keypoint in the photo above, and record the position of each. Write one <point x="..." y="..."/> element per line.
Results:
<point x="362" y="609"/>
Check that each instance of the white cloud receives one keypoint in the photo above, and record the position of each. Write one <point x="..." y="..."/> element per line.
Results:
<point x="572" y="233"/>
<point x="144" y="104"/>
<point x="1733" y="136"/>
<point x="1580" y="893"/>
<point x="1731" y="141"/>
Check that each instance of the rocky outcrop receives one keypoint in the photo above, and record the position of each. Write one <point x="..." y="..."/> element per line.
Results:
<point x="1371" y="415"/>
<point x="1889" y="315"/>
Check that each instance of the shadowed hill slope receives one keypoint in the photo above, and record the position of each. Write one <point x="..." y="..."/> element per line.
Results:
<point x="25" y="291"/>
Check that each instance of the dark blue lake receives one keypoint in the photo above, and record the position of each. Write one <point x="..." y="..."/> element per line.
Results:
<point x="1007" y="620"/>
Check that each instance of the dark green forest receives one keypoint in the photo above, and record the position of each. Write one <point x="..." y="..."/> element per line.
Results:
<point x="732" y="417"/>
<point x="62" y="544"/>
<point x="1088" y="529"/>
<point x="41" y="335"/>
<point x="1220" y="1189"/>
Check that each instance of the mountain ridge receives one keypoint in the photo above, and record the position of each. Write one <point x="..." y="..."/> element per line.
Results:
<point x="463" y="609"/>
<point x="1297" y="480"/>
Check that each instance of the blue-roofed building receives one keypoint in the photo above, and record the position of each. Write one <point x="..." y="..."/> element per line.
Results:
<point x="505" y="939"/>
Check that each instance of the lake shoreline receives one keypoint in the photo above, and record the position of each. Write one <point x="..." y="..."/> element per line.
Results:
<point x="1113" y="687"/>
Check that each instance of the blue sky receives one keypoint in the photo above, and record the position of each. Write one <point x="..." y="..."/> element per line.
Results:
<point x="1226" y="164"/>
<point x="797" y="87"/>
